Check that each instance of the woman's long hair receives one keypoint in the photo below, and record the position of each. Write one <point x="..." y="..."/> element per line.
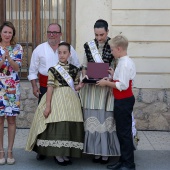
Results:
<point x="8" y="24"/>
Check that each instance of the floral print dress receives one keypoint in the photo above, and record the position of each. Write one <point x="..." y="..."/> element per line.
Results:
<point x="10" y="83"/>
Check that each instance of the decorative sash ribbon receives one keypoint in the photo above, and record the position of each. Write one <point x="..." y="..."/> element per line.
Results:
<point x="94" y="51"/>
<point x="43" y="80"/>
<point x="124" y="93"/>
<point x="65" y="75"/>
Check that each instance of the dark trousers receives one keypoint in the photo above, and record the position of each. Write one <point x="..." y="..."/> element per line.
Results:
<point x="43" y="90"/>
<point x="123" y="116"/>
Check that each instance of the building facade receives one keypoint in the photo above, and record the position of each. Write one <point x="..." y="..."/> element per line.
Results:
<point x="146" y="25"/>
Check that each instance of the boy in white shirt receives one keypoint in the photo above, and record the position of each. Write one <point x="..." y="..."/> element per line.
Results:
<point x="124" y="101"/>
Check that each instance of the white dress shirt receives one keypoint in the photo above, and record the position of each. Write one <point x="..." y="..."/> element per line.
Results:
<point x="124" y="72"/>
<point x="44" y="57"/>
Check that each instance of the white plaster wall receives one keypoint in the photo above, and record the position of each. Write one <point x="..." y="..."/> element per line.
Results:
<point x="146" y="26"/>
<point x="87" y="12"/>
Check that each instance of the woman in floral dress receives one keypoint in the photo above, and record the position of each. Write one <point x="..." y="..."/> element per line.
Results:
<point x="10" y="62"/>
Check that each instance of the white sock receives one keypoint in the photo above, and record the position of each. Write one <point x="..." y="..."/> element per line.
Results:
<point x="65" y="158"/>
<point x="97" y="156"/>
<point x="59" y="158"/>
<point x="105" y="158"/>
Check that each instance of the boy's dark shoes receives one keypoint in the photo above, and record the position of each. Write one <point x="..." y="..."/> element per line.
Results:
<point x="126" y="168"/>
<point x="121" y="167"/>
<point x="115" y="165"/>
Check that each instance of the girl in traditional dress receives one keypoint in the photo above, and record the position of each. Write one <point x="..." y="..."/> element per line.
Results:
<point x="57" y="127"/>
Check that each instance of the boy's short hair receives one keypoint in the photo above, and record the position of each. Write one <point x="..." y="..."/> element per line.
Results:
<point x="119" y="41"/>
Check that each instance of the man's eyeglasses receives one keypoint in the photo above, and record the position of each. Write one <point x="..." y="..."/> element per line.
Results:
<point x="54" y="32"/>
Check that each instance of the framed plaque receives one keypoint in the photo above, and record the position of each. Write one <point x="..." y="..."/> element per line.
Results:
<point x="96" y="71"/>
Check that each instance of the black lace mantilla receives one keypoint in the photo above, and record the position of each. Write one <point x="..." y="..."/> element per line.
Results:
<point x="106" y="54"/>
<point x="73" y="71"/>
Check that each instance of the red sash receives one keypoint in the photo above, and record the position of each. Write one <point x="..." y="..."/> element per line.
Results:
<point x="43" y="80"/>
<point x="124" y="93"/>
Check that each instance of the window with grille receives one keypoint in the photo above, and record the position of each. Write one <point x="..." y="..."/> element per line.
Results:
<point x="31" y="19"/>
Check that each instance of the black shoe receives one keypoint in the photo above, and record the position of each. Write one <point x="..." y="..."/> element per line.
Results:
<point x="68" y="162"/>
<point x="60" y="163"/>
<point x="96" y="160"/>
<point x="126" y="168"/>
<point x="40" y="157"/>
<point x="115" y="166"/>
<point x="104" y="161"/>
